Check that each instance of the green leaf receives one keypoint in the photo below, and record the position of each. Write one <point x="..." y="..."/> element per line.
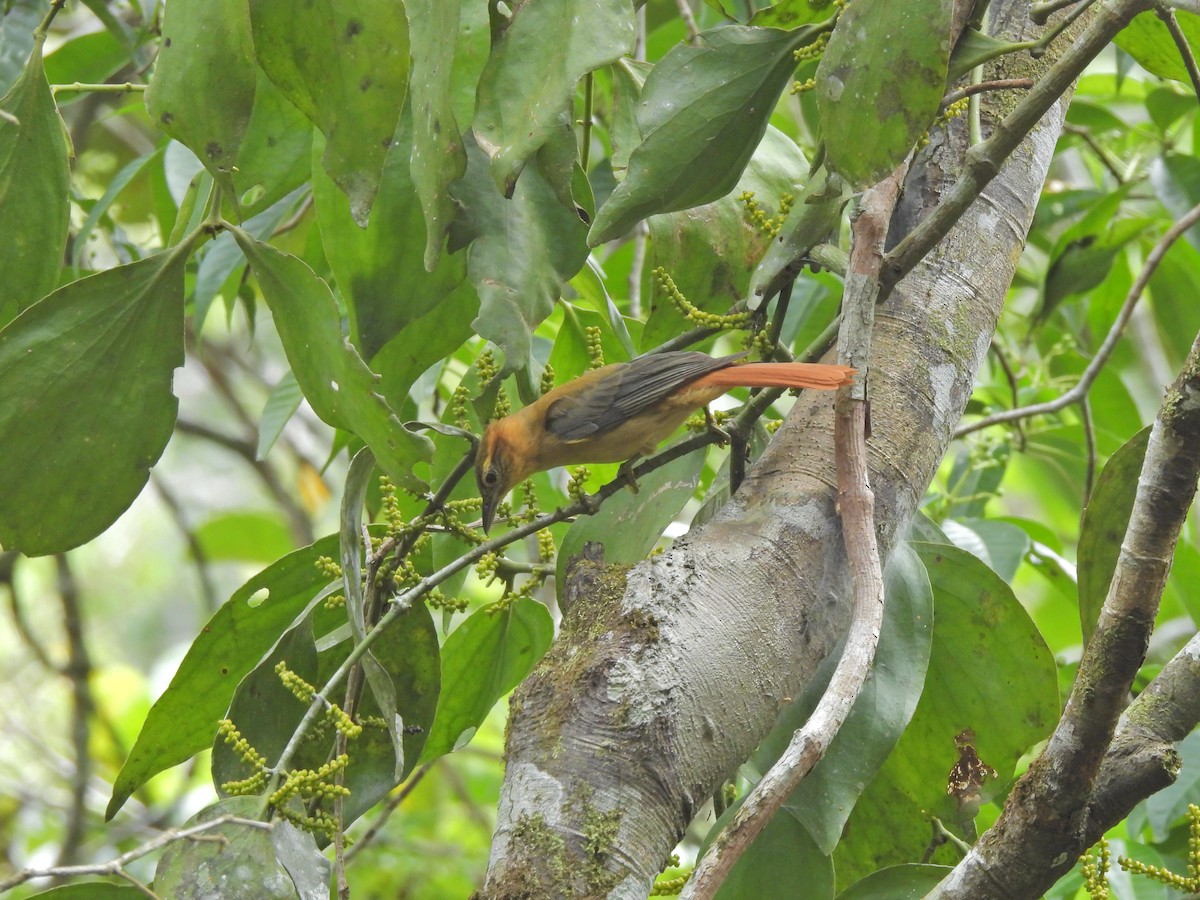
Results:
<point x="282" y="404"/>
<point x="482" y="660"/>
<point x="704" y="109"/>
<point x="243" y="861"/>
<point x="33" y="177"/>
<point x="371" y="264"/>
<point x="1105" y="521"/>
<point x="629" y="524"/>
<point x="783" y="854"/>
<point x="907" y="882"/>
<point x="708" y="251"/>
<point x="990" y="671"/>
<point x="438" y="157"/>
<point x="338" y="384"/>
<point x="202" y="90"/>
<point x="275" y="156"/>
<point x="182" y="721"/>
<point x="244" y="536"/>
<point x="86" y="406"/>
<point x="91" y="890"/>
<point x="1176" y="181"/>
<point x="815" y="217"/>
<point x="883" y="74"/>
<point x="1147" y="40"/>
<point x="522" y="251"/>
<point x="824" y="800"/>
<point x="792" y="13"/>
<point x="527" y="89"/>
<point x="345" y="65"/>
<point x="17" y="25"/>
<point x="1001" y="545"/>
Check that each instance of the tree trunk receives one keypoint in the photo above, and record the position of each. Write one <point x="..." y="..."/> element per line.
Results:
<point x="666" y="676"/>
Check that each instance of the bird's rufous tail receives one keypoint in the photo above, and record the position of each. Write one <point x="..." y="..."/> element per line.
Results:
<point x="821" y="376"/>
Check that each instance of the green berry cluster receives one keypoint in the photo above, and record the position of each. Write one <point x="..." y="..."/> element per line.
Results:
<point x="1189" y="884"/>
<point x="328" y="567"/>
<point x="669" y="887"/>
<point x="579" y="477"/>
<point x="257" y="762"/>
<point x="813" y="50"/>
<point x="1095" y="871"/>
<point x="693" y="313"/>
<point x="310" y="785"/>
<point x="768" y="225"/>
<point x="595" y="347"/>
<point x="547" y="379"/>
<point x="803" y="87"/>
<point x="458" y="407"/>
<point x="300" y="689"/>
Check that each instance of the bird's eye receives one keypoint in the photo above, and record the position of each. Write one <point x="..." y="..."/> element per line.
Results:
<point x="490" y="477"/>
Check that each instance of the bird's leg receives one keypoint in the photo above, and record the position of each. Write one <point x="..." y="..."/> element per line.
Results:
<point x="723" y="436"/>
<point x="626" y="472"/>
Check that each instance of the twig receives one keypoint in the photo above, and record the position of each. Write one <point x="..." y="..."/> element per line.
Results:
<point x="199" y="556"/>
<point x="1181" y="45"/>
<point x="1106" y="160"/>
<point x="390" y="807"/>
<point x="116" y="867"/>
<point x="685" y="13"/>
<point x="641" y="239"/>
<point x="857" y="504"/>
<point x="1081" y="388"/>
<point x="1000" y="84"/>
<point x="78" y="671"/>
<point x="78" y="87"/>
<point x="1042" y="10"/>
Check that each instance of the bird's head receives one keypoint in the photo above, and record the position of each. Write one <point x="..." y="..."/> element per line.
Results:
<point x="497" y="469"/>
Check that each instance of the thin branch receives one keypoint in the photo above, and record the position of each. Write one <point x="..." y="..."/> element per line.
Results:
<point x="641" y="240"/>
<point x="980" y="87"/>
<point x="1089" y="441"/>
<point x="857" y="504"/>
<point x="1042" y="10"/>
<point x="78" y="671"/>
<point x="207" y="588"/>
<point x="1092" y="372"/>
<point x="685" y="13"/>
<point x="78" y="87"/>
<point x="1106" y="158"/>
<point x="115" y="868"/>
<point x="1181" y="44"/>
<point x="983" y="160"/>
<point x="390" y="807"/>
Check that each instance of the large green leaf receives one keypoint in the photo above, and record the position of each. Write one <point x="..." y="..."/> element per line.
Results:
<point x="275" y="156"/>
<point x="824" y="800"/>
<point x="482" y="660"/>
<point x="344" y="64"/>
<point x="527" y="89"/>
<point x="907" y="882"/>
<point x="522" y="251"/>
<point x="279" y="863"/>
<point x="1105" y="521"/>
<point x="883" y="75"/>
<point x="86" y="406"/>
<point x="1147" y="40"/>
<point x="704" y="109"/>
<point x="1176" y="181"/>
<point x="629" y="524"/>
<point x="990" y="671"/>
<point x="379" y="269"/>
<point x="182" y="721"/>
<point x="709" y="251"/>
<point x="784" y="854"/>
<point x="202" y="90"/>
<point x="34" y="196"/>
<point x="338" y="384"/>
<point x="438" y="157"/>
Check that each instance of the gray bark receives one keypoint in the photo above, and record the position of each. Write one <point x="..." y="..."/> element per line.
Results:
<point x="665" y="677"/>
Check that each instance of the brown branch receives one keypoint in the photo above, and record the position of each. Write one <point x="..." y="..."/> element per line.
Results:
<point x="857" y="504"/>
<point x="1044" y="821"/>
<point x="78" y="671"/>
<point x="980" y="87"/>
<point x="1181" y="44"/>
<point x="1092" y="372"/>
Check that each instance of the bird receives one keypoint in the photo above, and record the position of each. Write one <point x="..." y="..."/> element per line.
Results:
<point x="622" y="411"/>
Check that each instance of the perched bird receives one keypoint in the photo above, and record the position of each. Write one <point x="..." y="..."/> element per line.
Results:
<point x="622" y="411"/>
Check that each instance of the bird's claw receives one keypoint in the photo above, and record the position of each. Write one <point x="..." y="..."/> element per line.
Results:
<point x="723" y="437"/>
<point x="626" y="473"/>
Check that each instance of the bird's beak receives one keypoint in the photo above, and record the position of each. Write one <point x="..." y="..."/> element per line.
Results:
<point x="490" y="502"/>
